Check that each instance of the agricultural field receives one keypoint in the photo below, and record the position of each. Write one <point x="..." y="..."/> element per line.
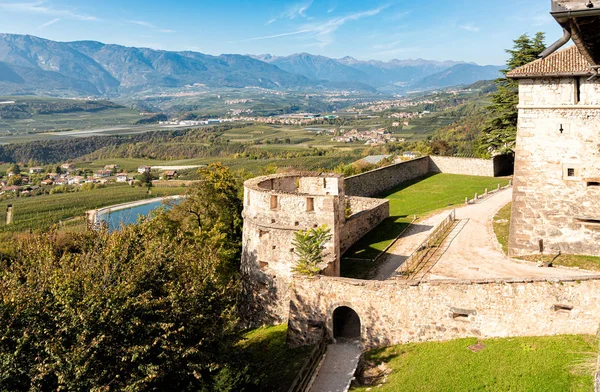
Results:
<point x="41" y="212"/>
<point x="418" y="198"/>
<point x="527" y="364"/>
<point x="502" y="229"/>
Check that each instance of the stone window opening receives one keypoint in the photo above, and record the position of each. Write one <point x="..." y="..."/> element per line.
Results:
<point x="324" y="183"/>
<point x="262" y="233"/>
<point x="460" y="316"/>
<point x="274" y="202"/>
<point x="570" y="172"/>
<point x="593" y="183"/>
<point x="296" y="223"/>
<point x="588" y="221"/>
<point x="310" y="204"/>
<point x="577" y="85"/>
<point x="562" y="308"/>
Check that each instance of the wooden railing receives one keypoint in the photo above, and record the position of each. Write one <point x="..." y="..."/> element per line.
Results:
<point x="306" y="374"/>
<point x="414" y="261"/>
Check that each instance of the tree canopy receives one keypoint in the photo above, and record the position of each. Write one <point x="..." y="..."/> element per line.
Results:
<point x="499" y="136"/>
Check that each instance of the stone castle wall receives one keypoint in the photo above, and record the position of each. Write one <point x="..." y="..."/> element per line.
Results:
<point x="397" y="312"/>
<point x="376" y="181"/>
<point x="367" y="214"/>
<point x="275" y="207"/>
<point x="557" y="169"/>
<point x="467" y="166"/>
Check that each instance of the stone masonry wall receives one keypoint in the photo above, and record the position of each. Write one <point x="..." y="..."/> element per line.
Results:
<point x="466" y="166"/>
<point x="380" y="180"/>
<point x="367" y="214"/>
<point x="557" y="174"/>
<point x="396" y="312"/>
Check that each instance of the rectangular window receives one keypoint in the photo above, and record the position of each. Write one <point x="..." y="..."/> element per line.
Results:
<point x="310" y="204"/>
<point x="274" y="202"/>
<point x="577" y="90"/>
<point x="593" y="184"/>
<point x="570" y="172"/>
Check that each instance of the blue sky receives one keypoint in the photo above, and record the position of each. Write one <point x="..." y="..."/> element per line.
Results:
<point x="468" y="30"/>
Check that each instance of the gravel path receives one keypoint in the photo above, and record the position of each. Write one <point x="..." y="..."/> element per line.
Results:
<point x="338" y="369"/>
<point x="474" y="252"/>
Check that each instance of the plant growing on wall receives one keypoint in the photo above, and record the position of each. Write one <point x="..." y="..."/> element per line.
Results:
<point x="309" y="246"/>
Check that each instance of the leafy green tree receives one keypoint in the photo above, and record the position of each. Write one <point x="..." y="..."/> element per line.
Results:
<point x="15" y="169"/>
<point x="499" y="136"/>
<point x="147" y="308"/>
<point x="15" y="179"/>
<point x="309" y="246"/>
<point x="213" y="207"/>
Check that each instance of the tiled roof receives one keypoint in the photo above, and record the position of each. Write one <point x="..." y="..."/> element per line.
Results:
<point x="566" y="62"/>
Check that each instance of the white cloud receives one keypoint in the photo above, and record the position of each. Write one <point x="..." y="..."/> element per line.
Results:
<point x="470" y="27"/>
<point x="321" y="31"/>
<point x="150" y="26"/>
<point x="141" y="23"/>
<point x="39" y="8"/>
<point x="49" y="23"/>
<point x="294" y="11"/>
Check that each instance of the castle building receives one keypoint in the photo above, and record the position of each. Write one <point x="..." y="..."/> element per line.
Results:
<point x="556" y="198"/>
<point x="275" y="208"/>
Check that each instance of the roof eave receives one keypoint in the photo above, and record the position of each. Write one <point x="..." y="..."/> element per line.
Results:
<point x="548" y="75"/>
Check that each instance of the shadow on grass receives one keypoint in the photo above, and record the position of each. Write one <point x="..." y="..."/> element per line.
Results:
<point x="359" y="261"/>
<point x="272" y="364"/>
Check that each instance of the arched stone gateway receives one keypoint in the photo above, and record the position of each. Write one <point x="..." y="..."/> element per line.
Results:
<point x="346" y="324"/>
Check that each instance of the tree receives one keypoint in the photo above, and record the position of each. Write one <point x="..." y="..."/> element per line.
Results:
<point x="148" y="307"/>
<point x="309" y="246"/>
<point x="499" y="136"/>
<point x="212" y="207"/>
<point x="15" y="179"/>
<point x="146" y="180"/>
<point x="14" y="168"/>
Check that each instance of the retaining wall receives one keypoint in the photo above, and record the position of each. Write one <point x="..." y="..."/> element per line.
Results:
<point x="466" y="166"/>
<point x="367" y="214"/>
<point x="380" y="180"/>
<point x="397" y="312"/>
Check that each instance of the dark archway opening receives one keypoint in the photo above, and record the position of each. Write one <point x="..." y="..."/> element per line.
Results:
<point x="346" y="323"/>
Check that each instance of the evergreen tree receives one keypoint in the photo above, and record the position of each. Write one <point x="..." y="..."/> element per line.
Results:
<point x="499" y="135"/>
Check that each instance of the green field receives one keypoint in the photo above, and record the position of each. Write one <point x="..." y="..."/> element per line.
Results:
<point x="40" y="212"/>
<point x="502" y="229"/>
<point x="529" y="364"/>
<point x="269" y="357"/>
<point x="419" y="197"/>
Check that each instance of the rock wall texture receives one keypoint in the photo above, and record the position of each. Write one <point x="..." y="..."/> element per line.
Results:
<point x="275" y="208"/>
<point x="396" y="312"/>
<point x="557" y="168"/>
<point x="377" y="181"/>
<point x="367" y="214"/>
<point x="374" y="182"/>
<point x="466" y="166"/>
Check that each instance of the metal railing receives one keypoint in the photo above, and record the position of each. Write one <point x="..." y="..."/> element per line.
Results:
<point x="414" y="261"/>
<point x="306" y="374"/>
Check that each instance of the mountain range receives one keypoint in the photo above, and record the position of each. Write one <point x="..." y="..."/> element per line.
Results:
<point x="33" y="65"/>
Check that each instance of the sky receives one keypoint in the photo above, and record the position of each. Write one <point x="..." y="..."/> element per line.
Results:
<point x="462" y="30"/>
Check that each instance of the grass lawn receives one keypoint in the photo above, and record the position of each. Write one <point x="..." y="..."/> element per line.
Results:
<point x="502" y="228"/>
<point x="40" y="212"/>
<point x="545" y="364"/>
<point x="419" y="197"/>
<point x="271" y="360"/>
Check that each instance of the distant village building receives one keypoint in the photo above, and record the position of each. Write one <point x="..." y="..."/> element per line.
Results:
<point x="122" y="177"/>
<point x="556" y="195"/>
<point x="36" y="170"/>
<point x="103" y="174"/>
<point x="67" y="166"/>
<point x="144" y="169"/>
<point x="170" y="174"/>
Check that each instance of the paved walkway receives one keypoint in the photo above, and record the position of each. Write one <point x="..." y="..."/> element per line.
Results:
<point x="471" y="251"/>
<point x="416" y="234"/>
<point x="337" y="371"/>
<point x="474" y="252"/>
